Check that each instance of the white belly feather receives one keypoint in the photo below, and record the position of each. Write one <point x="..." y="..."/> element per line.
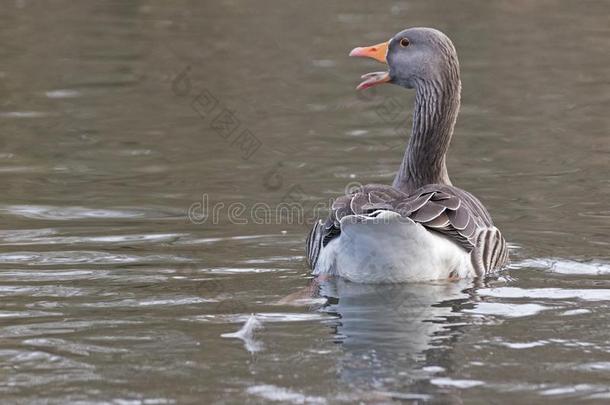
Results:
<point x="389" y="248"/>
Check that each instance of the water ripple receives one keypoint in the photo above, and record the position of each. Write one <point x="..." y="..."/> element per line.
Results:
<point x="563" y="266"/>
<point x="507" y="310"/>
<point x="73" y="213"/>
<point x="44" y="237"/>
<point x="27" y="314"/>
<point x="63" y="93"/>
<point x="285" y="395"/>
<point x="261" y="316"/>
<point x="165" y="302"/>
<point x="44" y="329"/>
<point x="24" y="114"/>
<point x="63" y="345"/>
<point x="83" y="257"/>
<point x="593" y="294"/>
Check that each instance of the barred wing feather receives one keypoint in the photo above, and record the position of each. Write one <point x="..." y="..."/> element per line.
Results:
<point x="446" y="210"/>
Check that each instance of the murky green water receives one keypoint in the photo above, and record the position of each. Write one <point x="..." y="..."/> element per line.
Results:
<point x="116" y="118"/>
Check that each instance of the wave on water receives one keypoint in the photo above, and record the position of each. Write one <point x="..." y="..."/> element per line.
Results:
<point x="566" y="266"/>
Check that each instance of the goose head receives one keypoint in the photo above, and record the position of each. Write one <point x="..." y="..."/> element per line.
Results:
<point x="414" y="56"/>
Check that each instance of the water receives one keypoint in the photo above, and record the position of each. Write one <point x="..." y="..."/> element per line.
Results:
<point x="109" y="136"/>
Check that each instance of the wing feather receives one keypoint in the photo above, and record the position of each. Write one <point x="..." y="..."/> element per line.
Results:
<point x="446" y="210"/>
<point x="428" y="212"/>
<point x="459" y="218"/>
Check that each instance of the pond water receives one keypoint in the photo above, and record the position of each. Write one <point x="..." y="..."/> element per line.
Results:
<point x="120" y="122"/>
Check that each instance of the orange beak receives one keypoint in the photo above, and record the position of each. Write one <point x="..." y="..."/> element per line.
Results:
<point x="377" y="52"/>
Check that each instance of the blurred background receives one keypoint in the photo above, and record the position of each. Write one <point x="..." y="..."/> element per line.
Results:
<point x="118" y="118"/>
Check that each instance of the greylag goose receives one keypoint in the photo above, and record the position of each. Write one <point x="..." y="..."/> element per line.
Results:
<point x="421" y="227"/>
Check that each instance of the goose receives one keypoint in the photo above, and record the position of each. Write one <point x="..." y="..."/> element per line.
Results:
<point x="420" y="228"/>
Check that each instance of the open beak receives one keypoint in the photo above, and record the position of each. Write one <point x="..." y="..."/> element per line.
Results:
<point x="377" y="52"/>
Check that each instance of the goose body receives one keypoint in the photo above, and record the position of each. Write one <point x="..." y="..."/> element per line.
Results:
<point x="366" y="252"/>
<point x="422" y="227"/>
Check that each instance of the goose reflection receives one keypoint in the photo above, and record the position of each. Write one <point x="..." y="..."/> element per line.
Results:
<point x="389" y="332"/>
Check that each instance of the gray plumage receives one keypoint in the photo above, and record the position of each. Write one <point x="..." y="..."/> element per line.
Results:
<point x="422" y="190"/>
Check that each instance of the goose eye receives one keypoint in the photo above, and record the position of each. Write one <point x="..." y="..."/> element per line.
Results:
<point x="404" y="42"/>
